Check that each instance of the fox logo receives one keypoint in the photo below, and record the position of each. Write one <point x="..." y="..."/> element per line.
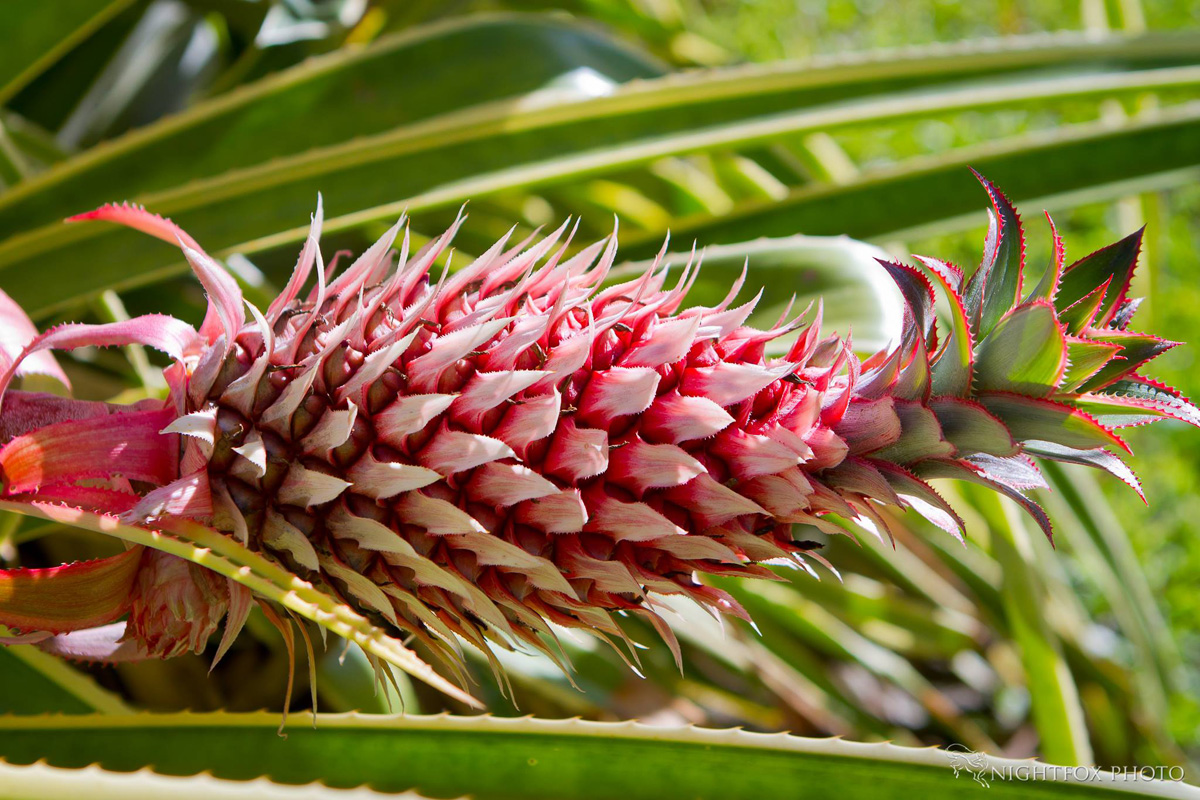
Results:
<point x="975" y="764"/>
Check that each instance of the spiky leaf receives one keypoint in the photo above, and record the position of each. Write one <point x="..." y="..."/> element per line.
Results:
<point x="1085" y="357"/>
<point x="996" y="285"/>
<point x="1030" y="418"/>
<point x="953" y="369"/>
<point x="528" y="758"/>
<point x="1026" y="352"/>
<point x="1112" y="266"/>
<point x="1135" y="350"/>
<point x="971" y="428"/>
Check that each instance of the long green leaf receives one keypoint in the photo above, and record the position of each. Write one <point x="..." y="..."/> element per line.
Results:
<point x="1104" y="548"/>
<point x="816" y="625"/>
<point x="36" y="34"/>
<point x="489" y="757"/>
<point x="1056" y="167"/>
<point x="40" y="782"/>
<point x="309" y="106"/>
<point x="494" y="147"/>
<point x="266" y="579"/>
<point x="352" y="93"/>
<point x="36" y="682"/>
<point x="1057" y="712"/>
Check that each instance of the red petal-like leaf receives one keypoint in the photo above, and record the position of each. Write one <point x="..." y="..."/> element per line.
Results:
<point x="27" y="411"/>
<point x="868" y="425"/>
<point x="304" y="265"/>
<point x="167" y="334"/>
<point x="226" y="311"/>
<point x="138" y="218"/>
<point x="16" y="332"/>
<point x="104" y="645"/>
<point x="71" y="597"/>
<point x="99" y="447"/>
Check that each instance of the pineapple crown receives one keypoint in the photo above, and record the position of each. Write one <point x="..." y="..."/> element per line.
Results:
<point x="519" y="446"/>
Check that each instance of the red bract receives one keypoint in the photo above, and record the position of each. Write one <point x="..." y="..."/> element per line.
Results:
<point x="519" y="445"/>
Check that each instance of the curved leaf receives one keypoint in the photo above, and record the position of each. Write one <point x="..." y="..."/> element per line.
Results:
<point x="37" y="34"/>
<point x="970" y="428"/>
<point x="349" y="94"/>
<point x="955" y="366"/>
<point x="1135" y="350"/>
<point x="1046" y="421"/>
<point x="40" y="782"/>
<point x="488" y="757"/>
<point x="70" y="597"/>
<point x="268" y="580"/>
<point x="497" y="146"/>
<point x="1026" y="352"/>
<point x="996" y="285"/>
<point x="1084" y="359"/>
<point x="910" y="197"/>
<point x="1111" y="266"/>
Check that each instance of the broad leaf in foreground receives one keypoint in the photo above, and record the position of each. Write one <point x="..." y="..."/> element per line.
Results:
<point x="537" y="758"/>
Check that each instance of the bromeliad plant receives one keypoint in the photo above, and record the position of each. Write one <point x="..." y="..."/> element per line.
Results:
<point x="516" y="445"/>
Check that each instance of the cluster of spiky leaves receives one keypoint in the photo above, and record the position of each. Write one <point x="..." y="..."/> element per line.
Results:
<point x="516" y="446"/>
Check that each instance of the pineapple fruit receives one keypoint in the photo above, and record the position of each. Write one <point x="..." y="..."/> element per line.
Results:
<point x="516" y="446"/>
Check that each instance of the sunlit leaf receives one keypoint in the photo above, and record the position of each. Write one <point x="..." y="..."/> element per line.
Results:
<point x="527" y="758"/>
